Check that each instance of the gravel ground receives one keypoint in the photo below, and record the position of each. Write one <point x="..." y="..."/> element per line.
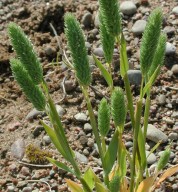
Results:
<point x="19" y="122"/>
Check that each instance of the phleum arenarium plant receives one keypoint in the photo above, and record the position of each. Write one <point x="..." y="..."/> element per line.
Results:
<point x="117" y="175"/>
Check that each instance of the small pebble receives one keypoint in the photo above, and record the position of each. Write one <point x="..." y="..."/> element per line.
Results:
<point x="87" y="19"/>
<point x="25" y="171"/>
<point x="175" y="10"/>
<point x="98" y="52"/>
<point x="83" y="139"/>
<point x="10" y="188"/>
<point x="46" y="140"/>
<point x="175" y="69"/>
<point x="128" y="8"/>
<point x="90" y="142"/>
<point x="135" y="76"/>
<point x="60" y="110"/>
<point x="27" y="189"/>
<point x="161" y="99"/>
<point x="170" y="49"/>
<point x="81" y="158"/>
<point x="155" y="134"/>
<point x="87" y="127"/>
<point x="138" y="27"/>
<point x="173" y="136"/>
<point x="82" y="117"/>
<point x="151" y="158"/>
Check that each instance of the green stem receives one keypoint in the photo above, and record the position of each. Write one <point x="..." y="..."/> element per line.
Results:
<point x="95" y="132"/>
<point x="129" y="99"/>
<point x="135" y="143"/>
<point x="103" y="144"/>
<point x="146" y="113"/>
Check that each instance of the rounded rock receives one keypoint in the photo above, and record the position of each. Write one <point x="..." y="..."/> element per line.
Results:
<point x="175" y="10"/>
<point x="139" y="27"/>
<point x="10" y="188"/>
<point x="46" y="140"/>
<point x="173" y="136"/>
<point x="135" y="76"/>
<point x="87" y="127"/>
<point x="161" y="99"/>
<point x="128" y="8"/>
<point x="98" y="52"/>
<point x="87" y="19"/>
<point x="175" y="69"/>
<point x="151" y="158"/>
<point x="27" y="189"/>
<point x="82" y="117"/>
<point x="170" y="49"/>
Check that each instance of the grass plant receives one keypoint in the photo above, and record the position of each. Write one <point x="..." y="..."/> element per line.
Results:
<point x="115" y="158"/>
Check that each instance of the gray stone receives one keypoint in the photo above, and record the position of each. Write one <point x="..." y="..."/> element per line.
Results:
<point x="46" y="140"/>
<point x="151" y="158"/>
<point x="162" y="99"/>
<point x="10" y="188"/>
<point x="87" y="127"/>
<point x="173" y="136"/>
<point x="80" y="157"/>
<point x="128" y="8"/>
<point x="33" y="114"/>
<point x="18" y="149"/>
<point x="37" y="131"/>
<point x="170" y="49"/>
<point x="175" y="115"/>
<point x="83" y="139"/>
<point x="50" y="51"/>
<point x="27" y="189"/>
<point x="86" y="152"/>
<point x="155" y="134"/>
<point x="25" y="171"/>
<point x="135" y="76"/>
<point x="60" y="110"/>
<point x="69" y="85"/>
<point x="98" y="52"/>
<point x="82" y="117"/>
<point x="129" y="144"/>
<point x="88" y="45"/>
<point x="90" y="142"/>
<point x="139" y="27"/>
<point x="87" y="19"/>
<point x="169" y="30"/>
<point x="175" y="69"/>
<point x="175" y="10"/>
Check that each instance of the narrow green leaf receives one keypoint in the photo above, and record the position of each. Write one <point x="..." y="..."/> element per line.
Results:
<point x="55" y="140"/>
<point x="74" y="187"/>
<point x="101" y="188"/>
<point x="104" y="72"/>
<point x="61" y="165"/>
<point x="151" y="80"/>
<point x="111" y="153"/>
<point x="123" y="165"/>
<point x="141" y="146"/>
<point x="91" y="178"/>
<point x="124" y="65"/>
<point x="114" y="184"/>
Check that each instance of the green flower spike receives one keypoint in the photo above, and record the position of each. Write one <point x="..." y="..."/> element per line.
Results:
<point x="109" y="11"/>
<point x="118" y="108"/>
<point x="163" y="159"/>
<point x="107" y="41"/>
<point x="104" y="117"/>
<point x="159" y="56"/>
<point x="25" y="52"/>
<point x="150" y="40"/>
<point x="32" y="91"/>
<point x="76" y="44"/>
